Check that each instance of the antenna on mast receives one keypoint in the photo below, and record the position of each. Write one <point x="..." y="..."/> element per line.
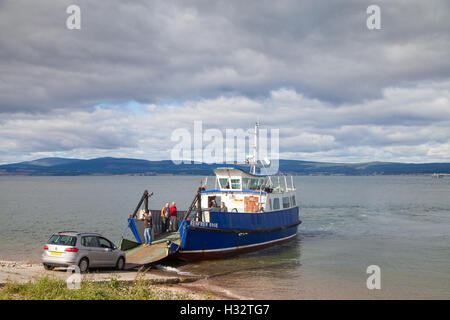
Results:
<point x="255" y="149"/>
<point x="252" y="159"/>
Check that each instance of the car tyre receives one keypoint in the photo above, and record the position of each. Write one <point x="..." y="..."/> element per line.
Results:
<point x="83" y="265"/>
<point x="120" y="263"/>
<point x="48" y="267"/>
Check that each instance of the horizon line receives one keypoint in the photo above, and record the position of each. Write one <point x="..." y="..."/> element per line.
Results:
<point x="194" y="162"/>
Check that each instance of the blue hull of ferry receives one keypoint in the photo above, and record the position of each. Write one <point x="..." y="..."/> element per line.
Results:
<point x="229" y="233"/>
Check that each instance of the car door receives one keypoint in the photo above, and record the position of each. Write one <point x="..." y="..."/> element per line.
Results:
<point x="108" y="257"/>
<point x="92" y="246"/>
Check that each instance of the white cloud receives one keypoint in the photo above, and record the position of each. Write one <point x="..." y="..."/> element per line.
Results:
<point x="406" y="124"/>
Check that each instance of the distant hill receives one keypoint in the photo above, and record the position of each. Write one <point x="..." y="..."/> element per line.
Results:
<point x="124" y="166"/>
<point x="48" y="162"/>
<point x="367" y="168"/>
<point x="101" y="166"/>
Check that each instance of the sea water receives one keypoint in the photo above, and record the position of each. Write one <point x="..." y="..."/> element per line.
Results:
<point x="399" y="223"/>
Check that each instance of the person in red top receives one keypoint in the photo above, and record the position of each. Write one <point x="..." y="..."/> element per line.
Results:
<point x="173" y="218"/>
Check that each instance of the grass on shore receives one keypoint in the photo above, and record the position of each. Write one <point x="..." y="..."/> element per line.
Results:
<point x="46" y="288"/>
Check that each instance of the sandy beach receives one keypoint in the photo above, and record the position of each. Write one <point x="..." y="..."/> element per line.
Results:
<point x="191" y="286"/>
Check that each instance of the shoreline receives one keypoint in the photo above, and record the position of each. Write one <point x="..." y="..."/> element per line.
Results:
<point x="200" y="287"/>
<point x="23" y="272"/>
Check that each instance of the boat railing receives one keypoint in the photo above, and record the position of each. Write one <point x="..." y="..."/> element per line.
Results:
<point x="156" y="220"/>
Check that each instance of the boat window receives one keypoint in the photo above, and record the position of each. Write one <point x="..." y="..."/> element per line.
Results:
<point x="224" y="183"/>
<point x="276" y="203"/>
<point x="253" y="184"/>
<point x="245" y="183"/>
<point x="269" y="204"/>
<point x="235" y="183"/>
<point x="213" y="202"/>
<point x="293" y="201"/>
<point x="285" y="202"/>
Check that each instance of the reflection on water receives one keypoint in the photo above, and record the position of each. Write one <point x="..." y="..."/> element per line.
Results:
<point x="275" y="258"/>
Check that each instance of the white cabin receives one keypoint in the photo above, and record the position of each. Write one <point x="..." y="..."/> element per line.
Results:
<point x="247" y="193"/>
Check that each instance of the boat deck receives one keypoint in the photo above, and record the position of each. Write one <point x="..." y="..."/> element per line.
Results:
<point x="157" y="251"/>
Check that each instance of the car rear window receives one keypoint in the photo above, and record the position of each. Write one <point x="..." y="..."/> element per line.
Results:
<point x="63" y="240"/>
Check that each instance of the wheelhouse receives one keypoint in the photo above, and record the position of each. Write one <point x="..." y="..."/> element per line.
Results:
<point x="243" y="192"/>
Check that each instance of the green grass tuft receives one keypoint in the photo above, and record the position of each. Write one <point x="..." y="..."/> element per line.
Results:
<point x="47" y="288"/>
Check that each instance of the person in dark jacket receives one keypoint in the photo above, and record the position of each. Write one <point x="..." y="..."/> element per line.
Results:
<point x="147" y="229"/>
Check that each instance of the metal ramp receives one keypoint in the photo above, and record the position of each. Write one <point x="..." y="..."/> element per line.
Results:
<point x="159" y="249"/>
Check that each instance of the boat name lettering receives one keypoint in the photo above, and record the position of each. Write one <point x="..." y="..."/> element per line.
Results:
<point x="204" y="224"/>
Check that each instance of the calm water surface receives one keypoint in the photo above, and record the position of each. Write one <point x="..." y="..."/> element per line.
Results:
<point x="401" y="224"/>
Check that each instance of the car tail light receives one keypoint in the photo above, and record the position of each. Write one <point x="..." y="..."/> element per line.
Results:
<point x="71" y="250"/>
<point x="45" y="248"/>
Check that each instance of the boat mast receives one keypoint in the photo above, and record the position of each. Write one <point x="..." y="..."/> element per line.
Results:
<point x="255" y="149"/>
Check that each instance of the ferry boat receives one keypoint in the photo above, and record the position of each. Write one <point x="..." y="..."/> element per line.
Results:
<point x="257" y="215"/>
<point x="245" y="211"/>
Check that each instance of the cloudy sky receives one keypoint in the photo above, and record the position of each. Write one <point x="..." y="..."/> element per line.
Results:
<point x="137" y="70"/>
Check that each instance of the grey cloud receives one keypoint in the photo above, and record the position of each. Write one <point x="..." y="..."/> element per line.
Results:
<point x="163" y="51"/>
<point x="312" y="69"/>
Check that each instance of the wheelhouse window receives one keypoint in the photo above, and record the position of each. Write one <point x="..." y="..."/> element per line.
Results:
<point x="269" y="204"/>
<point x="276" y="203"/>
<point x="293" y="201"/>
<point x="245" y="183"/>
<point x="224" y="184"/>
<point x="260" y="184"/>
<point x="236" y="184"/>
<point x="255" y="184"/>
<point x="286" y="202"/>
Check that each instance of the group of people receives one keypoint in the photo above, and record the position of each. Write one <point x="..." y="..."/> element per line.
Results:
<point x="168" y="222"/>
<point x="169" y="218"/>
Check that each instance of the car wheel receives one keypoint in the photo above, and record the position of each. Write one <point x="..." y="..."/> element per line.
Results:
<point x="48" y="267"/>
<point x="120" y="263"/>
<point x="83" y="265"/>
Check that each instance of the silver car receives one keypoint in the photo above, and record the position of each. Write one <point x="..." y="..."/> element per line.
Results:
<point x="85" y="250"/>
